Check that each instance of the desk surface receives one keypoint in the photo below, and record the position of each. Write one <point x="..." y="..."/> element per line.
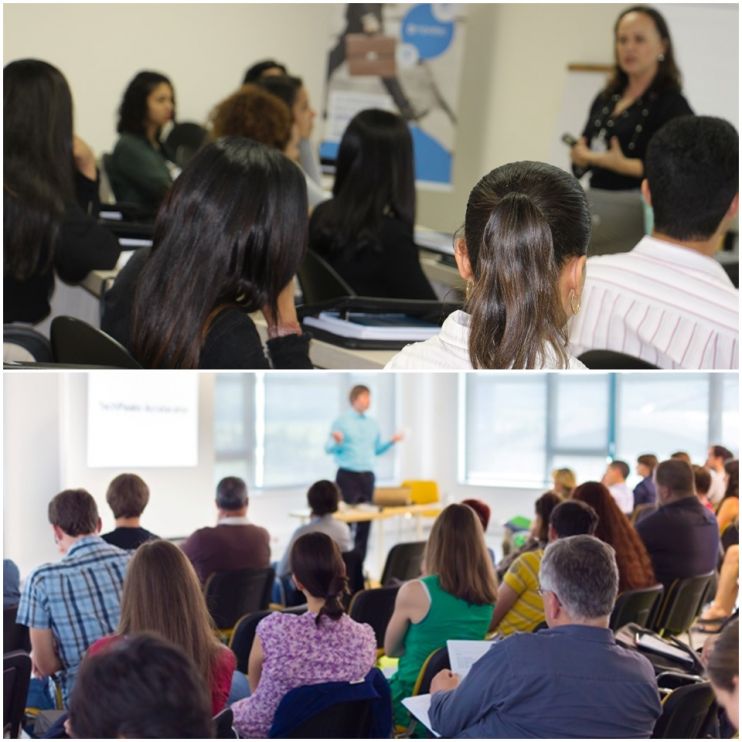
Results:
<point x="365" y="513"/>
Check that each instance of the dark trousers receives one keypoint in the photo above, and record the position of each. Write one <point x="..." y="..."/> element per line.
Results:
<point x="357" y="487"/>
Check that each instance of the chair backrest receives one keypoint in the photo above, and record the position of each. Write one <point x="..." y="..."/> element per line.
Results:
<point x="374" y="607"/>
<point x="16" y="677"/>
<point x="685" y="712"/>
<point x="242" y="637"/>
<point x="681" y="604"/>
<point x="635" y="606"/>
<point x="436" y="661"/>
<point x="31" y="344"/>
<point x="609" y="360"/>
<point x="319" y="281"/>
<point x="354" y="569"/>
<point x="223" y="724"/>
<point x="15" y="635"/>
<point x="184" y="140"/>
<point x="75" y="341"/>
<point x="403" y="562"/>
<point x="230" y="595"/>
<point x="422" y="491"/>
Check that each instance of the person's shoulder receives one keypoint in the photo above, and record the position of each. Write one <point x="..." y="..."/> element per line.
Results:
<point x="446" y="350"/>
<point x="259" y="531"/>
<point x="127" y="142"/>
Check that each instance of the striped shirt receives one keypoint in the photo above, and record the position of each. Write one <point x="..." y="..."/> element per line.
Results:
<point x="666" y="304"/>
<point x="78" y="598"/>
<point x="528" y="611"/>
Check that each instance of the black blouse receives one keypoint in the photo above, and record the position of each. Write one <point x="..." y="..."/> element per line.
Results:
<point x="634" y="128"/>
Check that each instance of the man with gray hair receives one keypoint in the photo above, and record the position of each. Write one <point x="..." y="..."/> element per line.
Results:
<point x="570" y="680"/>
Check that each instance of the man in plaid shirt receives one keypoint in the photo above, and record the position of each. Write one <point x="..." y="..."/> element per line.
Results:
<point x="69" y="605"/>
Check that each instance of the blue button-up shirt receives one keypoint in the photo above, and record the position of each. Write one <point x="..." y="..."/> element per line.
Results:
<point x="78" y="598"/>
<point x="361" y="442"/>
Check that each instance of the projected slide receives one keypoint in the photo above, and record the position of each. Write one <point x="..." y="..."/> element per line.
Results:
<point x="142" y="419"/>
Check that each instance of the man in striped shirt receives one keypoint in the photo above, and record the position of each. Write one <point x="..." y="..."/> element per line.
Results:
<point x="72" y="603"/>
<point x="668" y="301"/>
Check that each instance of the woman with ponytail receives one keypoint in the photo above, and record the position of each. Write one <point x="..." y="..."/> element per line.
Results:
<point x="320" y="646"/>
<point x="523" y="257"/>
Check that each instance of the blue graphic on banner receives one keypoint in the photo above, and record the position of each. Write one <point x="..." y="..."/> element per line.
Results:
<point x="429" y="35"/>
<point x="432" y="161"/>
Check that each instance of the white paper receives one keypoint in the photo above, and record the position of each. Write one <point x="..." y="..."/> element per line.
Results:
<point x="419" y="707"/>
<point x="463" y="654"/>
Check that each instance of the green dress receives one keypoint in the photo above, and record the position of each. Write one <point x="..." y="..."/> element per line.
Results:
<point x="448" y="618"/>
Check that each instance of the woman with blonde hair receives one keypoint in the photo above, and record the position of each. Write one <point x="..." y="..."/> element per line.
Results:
<point x="452" y="600"/>
<point x="162" y="594"/>
<point x="565" y="482"/>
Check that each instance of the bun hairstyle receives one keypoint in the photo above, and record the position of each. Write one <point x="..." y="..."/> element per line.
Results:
<point x="523" y="222"/>
<point x="317" y="564"/>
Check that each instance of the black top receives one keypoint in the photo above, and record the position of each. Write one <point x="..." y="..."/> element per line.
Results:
<point x="634" y="128"/>
<point x="391" y="270"/>
<point x="232" y="342"/>
<point x="82" y="246"/>
<point x="682" y="539"/>
<point x="128" y="538"/>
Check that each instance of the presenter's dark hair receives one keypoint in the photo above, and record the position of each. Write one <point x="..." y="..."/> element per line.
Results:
<point x="38" y="169"/>
<point x="231" y="493"/>
<point x="323" y="497"/>
<point x="374" y="178"/>
<point x="140" y="687"/>
<point x="647" y="459"/>
<point x="692" y="167"/>
<point x="668" y="75"/>
<point x="256" y="72"/>
<point x="231" y="233"/>
<point x="732" y="471"/>
<point x="285" y="87"/>
<point x="523" y="222"/>
<point x="133" y="108"/>
<point x="702" y="480"/>
<point x="722" y="452"/>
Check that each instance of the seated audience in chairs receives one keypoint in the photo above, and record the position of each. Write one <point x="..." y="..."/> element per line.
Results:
<point x="140" y="687"/>
<point x="453" y="600"/>
<point x="682" y="537"/>
<point x="539" y="535"/>
<point x="723" y="671"/>
<point x="571" y="677"/>
<point x="523" y="253"/>
<point x="366" y="231"/>
<point x="127" y="496"/>
<point x="69" y="604"/>
<point x="162" y="595"/>
<point x="185" y="303"/>
<point x="519" y="605"/>
<point x="644" y="492"/>
<point x="11" y="583"/>
<point x="668" y="301"/>
<point x="614" y="479"/>
<point x="634" y="565"/>
<point x="702" y="481"/>
<point x="728" y="509"/>
<point x="141" y="169"/>
<point x="319" y="646"/>
<point x="234" y="543"/>
<point x="50" y="187"/>
<point x="717" y="457"/>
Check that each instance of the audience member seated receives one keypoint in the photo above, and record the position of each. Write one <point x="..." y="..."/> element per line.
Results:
<point x="11" y="583"/>
<point x="523" y="256"/>
<point x="319" y="646"/>
<point x="70" y="604"/>
<point x="141" y="169"/>
<point x="564" y="482"/>
<point x="482" y="509"/>
<point x="127" y="496"/>
<point x="717" y="457"/>
<point x="366" y="232"/>
<point x="668" y="301"/>
<point x="634" y="565"/>
<point x="729" y="506"/>
<point x="682" y="537"/>
<point x="142" y="687"/>
<point x="721" y="607"/>
<point x="186" y="302"/>
<point x="50" y="187"/>
<point x="234" y="543"/>
<point x="644" y="492"/>
<point x="162" y="595"/>
<point x="453" y="600"/>
<point x="570" y="679"/>
<point x="264" y="68"/>
<point x="702" y="481"/>
<point x="519" y="605"/>
<point x="682" y="456"/>
<point x="539" y="535"/>
<point x="723" y="671"/>
<point x="615" y="480"/>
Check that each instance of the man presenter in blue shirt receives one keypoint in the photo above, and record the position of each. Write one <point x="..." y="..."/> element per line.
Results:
<point x="355" y="441"/>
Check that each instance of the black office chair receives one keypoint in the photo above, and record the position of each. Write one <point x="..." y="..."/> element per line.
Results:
<point x="354" y="570"/>
<point x="608" y="360"/>
<point x="682" y="603"/>
<point x="223" y="725"/>
<point x="230" y="595"/>
<point x="77" y="342"/>
<point x="403" y="562"/>
<point x="348" y="720"/>
<point x="22" y="343"/>
<point x="374" y="607"/>
<point x="16" y="677"/>
<point x="319" y="281"/>
<point x="15" y="635"/>
<point x="686" y="712"/>
<point x="184" y="140"/>
<point x="635" y="606"/>
<point x="436" y="661"/>
<point x="732" y="270"/>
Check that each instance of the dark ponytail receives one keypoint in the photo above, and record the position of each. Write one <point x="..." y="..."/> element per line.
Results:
<point x="523" y="222"/>
<point x="318" y="565"/>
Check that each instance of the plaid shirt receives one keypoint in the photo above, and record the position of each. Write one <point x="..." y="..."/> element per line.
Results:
<point x="78" y="598"/>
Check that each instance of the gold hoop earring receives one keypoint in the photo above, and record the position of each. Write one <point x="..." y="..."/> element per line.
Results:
<point x="574" y="302"/>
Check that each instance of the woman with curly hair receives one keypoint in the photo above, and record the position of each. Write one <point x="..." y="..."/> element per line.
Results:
<point x="634" y="565"/>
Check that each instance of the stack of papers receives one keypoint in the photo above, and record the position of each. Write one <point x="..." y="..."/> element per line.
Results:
<point x="369" y="326"/>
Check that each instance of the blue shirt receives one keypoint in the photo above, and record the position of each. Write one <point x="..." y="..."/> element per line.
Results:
<point x="570" y="681"/>
<point x="361" y="442"/>
<point x="645" y="493"/>
<point x="78" y="598"/>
